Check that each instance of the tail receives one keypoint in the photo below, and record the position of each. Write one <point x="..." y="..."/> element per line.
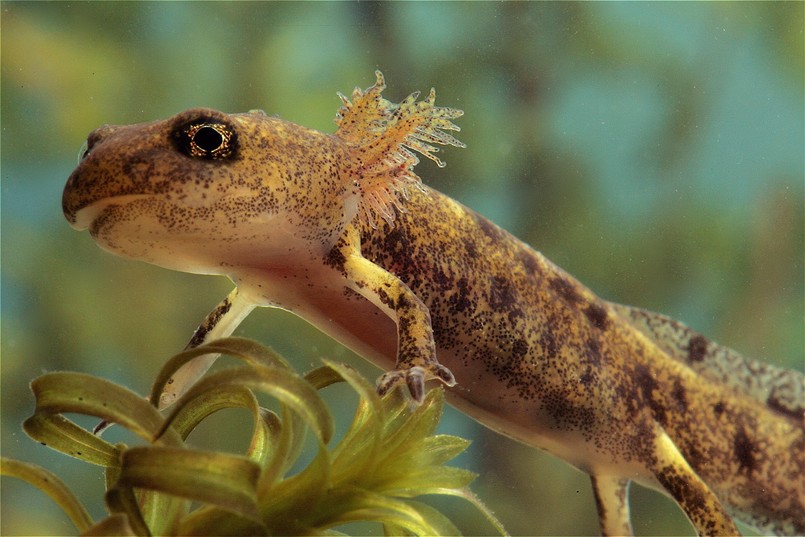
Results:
<point x="781" y="390"/>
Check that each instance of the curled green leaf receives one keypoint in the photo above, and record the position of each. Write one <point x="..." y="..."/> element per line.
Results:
<point x="287" y="436"/>
<point x="280" y="383"/>
<point x="57" y="432"/>
<point x="64" y="391"/>
<point x="220" y="479"/>
<point x="214" y="521"/>
<point x="385" y="461"/>
<point x="116" y="525"/>
<point x="208" y="402"/>
<point x="358" y="451"/>
<point x="412" y="517"/>
<point x="280" y="505"/>
<point x="51" y="485"/>
<point x="122" y="502"/>
<point x="246" y="349"/>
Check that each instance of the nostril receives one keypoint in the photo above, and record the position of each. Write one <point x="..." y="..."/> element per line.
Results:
<point x="98" y="135"/>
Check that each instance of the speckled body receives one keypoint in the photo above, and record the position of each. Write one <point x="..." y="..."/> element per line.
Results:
<point x="557" y="367"/>
<point x="334" y="229"/>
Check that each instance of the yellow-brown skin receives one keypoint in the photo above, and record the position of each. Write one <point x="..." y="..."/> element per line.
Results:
<point x="312" y="223"/>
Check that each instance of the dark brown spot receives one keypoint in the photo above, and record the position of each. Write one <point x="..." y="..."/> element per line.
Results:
<point x="529" y="261"/>
<point x="568" y="415"/>
<point x="694" y="456"/>
<point x="520" y="349"/>
<point x="677" y="484"/>
<point x="501" y="294"/>
<point x="550" y="346"/>
<point x="396" y="242"/>
<point x="697" y="348"/>
<point x="647" y="385"/>
<point x="599" y="503"/>
<point x="489" y="229"/>
<point x="402" y="303"/>
<point x="718" y="408"/>
<point x="471" y="247"/>
<point x="565" y="289"/>
<point x="441" y="279"/>
<point x="587" y="377"/>
<point x="597" y="315"/>
<point x="385" y="298"/>
<point x="593" y="354"/>
<point x="460" y="301"/>
<point x="745" y="451"/>
<point x="679" y="395"/>
<point x="336" y="259"/>
<point x="208" y="324"/>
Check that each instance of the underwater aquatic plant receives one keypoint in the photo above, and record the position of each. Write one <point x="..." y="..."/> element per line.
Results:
<point x="388" y="457"/>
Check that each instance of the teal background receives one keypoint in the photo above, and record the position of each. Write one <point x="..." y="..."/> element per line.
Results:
<point x="655" y="151"/>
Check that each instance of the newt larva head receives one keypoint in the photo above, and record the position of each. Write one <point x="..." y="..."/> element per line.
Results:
<point x="205" y="190"/>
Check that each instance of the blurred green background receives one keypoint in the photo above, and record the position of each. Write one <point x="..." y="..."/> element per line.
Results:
<point x="655" y="151"/>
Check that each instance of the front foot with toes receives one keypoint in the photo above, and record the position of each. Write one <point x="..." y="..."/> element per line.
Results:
<point x="414" y="379"/>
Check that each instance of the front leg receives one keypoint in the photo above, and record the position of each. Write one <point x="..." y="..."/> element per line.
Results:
<point x="220" y="323"/>
<point x="701" y="505"/>
<point x="416" y="349"/>
<point x="612" y="500"/>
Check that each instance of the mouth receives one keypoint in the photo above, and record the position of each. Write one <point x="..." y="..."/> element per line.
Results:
<point x="91" y="215"/>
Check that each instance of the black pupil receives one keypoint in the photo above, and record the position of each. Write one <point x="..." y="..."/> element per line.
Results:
<point x="208" y="139"/>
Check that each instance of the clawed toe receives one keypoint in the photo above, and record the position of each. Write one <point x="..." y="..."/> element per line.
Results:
<point x="414" y="379"/>
<point x="445" y="375"/>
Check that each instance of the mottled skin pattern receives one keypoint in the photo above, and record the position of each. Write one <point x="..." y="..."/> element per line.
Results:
<point x="561" y="362"/>
<point x="336" y="229"/>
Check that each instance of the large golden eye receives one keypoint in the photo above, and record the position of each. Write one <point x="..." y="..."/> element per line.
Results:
<point x="207" y="139"/>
